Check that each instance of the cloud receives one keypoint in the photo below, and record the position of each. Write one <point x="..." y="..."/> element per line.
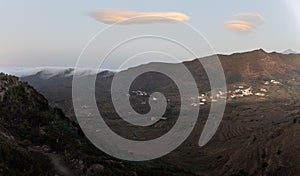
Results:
<point x="245" y="22"/>
<point x="239" y="25"/>
<point x="111" y="16"/>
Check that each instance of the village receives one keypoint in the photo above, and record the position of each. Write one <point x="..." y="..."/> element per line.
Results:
<point x="239" y="91"/>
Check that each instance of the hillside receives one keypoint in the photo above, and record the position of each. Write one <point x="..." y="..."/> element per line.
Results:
<point x="37" y="139"/>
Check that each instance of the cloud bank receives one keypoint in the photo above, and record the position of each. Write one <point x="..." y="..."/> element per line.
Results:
<point x="111" y="16"/>
<point x="245" y="22"/>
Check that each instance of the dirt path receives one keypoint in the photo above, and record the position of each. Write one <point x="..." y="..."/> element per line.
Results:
<point x="57" y="161"/>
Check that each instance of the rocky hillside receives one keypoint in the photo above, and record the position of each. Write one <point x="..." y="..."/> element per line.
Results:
<point x="37" y="139"/>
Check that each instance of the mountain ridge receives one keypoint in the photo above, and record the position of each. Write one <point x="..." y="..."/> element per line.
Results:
<point x="48" y="72"/>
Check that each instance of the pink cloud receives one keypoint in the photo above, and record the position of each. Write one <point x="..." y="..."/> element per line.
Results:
<point x="111" y="16"/>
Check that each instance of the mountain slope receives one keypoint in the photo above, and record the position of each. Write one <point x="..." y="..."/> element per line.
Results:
<point x="37" y="139"/>
<point x="251" y="68"/>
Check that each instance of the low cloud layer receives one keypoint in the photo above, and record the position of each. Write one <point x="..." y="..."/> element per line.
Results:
<point x="245" y="22"/>
<point x="111" y="16"/>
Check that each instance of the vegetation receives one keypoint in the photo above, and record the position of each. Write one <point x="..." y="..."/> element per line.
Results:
<point x="26" y="121"/>
<point x="241" y="173"/>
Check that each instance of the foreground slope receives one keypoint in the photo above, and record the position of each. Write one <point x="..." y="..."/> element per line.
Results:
<point x="37" y="139"/>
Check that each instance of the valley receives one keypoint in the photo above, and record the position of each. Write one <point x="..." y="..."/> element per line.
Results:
<point x="260" y="131"/>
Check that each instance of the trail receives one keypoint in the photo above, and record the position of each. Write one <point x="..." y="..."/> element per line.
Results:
<point x="57" y="161"/>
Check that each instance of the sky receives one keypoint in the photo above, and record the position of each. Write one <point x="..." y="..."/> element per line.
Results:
<point x="53" y="33"/>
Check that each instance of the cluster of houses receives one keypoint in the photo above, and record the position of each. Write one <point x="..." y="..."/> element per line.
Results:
<point x="239" y="92"/>
<point x="243" y="92"/>
<point x="272" y="81"/>
<point x="203" y="100"/>
<point x="139" y="93"/>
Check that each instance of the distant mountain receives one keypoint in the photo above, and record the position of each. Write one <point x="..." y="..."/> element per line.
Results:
<point x="54" y="72"/>
<point x="290" y="51"/>
<point x="250" y="67"/>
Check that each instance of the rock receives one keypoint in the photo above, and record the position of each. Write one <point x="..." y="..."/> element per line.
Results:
<point x="134" y="173"/>
<point x="95" y="170"/>
<point x="122" y="165"/>
<point x="109" y="162"/>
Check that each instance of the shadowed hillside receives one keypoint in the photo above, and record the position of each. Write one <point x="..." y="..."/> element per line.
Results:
<point x="37" y="139"/>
